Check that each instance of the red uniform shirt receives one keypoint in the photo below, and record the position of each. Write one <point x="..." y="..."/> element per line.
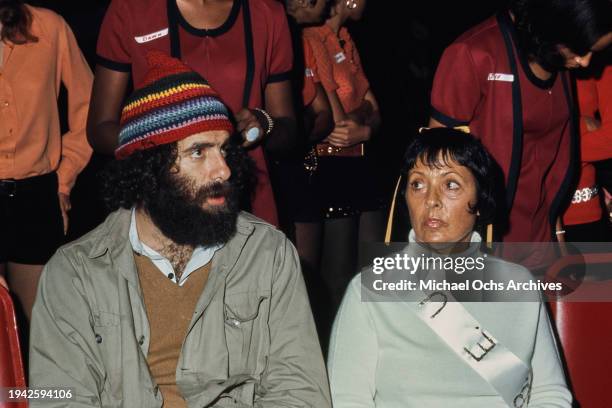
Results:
<point x="545" y="117"/>
<point x="524" y="122"/>
<point x="593" y="95"/>
<point x="132" y="27"/>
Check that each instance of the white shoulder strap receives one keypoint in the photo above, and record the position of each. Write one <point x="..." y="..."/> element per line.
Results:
<point x="476" y="346"/>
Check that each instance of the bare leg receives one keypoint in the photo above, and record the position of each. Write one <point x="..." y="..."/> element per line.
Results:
<point x="23" y="281"/>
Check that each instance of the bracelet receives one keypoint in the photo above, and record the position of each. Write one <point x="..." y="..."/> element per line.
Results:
<point x="560" y="232"/>
<point x="268" y="118"/>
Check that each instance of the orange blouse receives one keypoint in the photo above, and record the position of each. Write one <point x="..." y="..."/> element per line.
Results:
<point x="339" y="68"/>
<point x="30" y="78"/>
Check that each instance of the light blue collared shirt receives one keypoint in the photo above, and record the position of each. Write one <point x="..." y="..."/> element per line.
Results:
<point x="200" y="256"/>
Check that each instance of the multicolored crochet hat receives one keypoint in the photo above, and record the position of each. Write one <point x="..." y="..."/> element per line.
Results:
<point x="172" y="103"/>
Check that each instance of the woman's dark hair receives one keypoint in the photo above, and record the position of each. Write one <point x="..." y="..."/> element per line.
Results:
<point x="16" y="22"/>
<point x="438" y="146"/>
<point x="135" y="180"/>
<point x="543" y="25"/>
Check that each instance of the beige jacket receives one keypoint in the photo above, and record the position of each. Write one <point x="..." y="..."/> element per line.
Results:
<point x="251" y="343"/>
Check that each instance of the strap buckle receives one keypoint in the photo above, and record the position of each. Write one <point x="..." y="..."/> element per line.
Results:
<point x="444" y="300"/>
<point x="479" y="350"/>
<point x="522" y="398"/>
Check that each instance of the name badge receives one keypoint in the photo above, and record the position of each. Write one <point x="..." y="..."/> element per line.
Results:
<point x="339" y="57"/>
<point x="500" y="77"/>
<point x="309" y="73"/>
<point x="152" y="36"/>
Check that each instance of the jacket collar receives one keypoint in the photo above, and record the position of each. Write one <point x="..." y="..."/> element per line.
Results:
<point x="112" y="234"/>
<point x="112" y="237"/>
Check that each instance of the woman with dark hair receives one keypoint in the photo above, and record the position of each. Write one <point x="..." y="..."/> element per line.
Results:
<point x="505" y="79"/>
<point x="38" y="165"/>
<point x="561" y="33"/>
<point x="444" y="347"/>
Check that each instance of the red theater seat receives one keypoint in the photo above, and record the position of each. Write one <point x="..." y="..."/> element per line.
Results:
<point x="11" y="365"/>
<point x="585" y="333"/>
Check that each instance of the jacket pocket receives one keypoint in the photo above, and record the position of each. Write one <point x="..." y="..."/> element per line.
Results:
<point x="107" y="339"/>
<point x="246" y="332"/>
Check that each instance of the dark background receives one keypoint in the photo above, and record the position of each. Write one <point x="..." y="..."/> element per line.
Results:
<point x="400" y="43"/>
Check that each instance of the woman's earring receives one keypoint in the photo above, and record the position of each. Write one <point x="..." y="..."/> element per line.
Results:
<point x="351" y="4"/>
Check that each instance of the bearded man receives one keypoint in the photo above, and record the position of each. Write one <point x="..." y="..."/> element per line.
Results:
<point x="177" y="299"/>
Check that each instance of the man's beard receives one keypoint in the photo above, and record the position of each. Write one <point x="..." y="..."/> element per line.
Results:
<point x="177" y="211"/>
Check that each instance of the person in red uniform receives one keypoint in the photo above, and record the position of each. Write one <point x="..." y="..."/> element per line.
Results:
<point x="505" y="79"/>
<point x="584" y="220"/>
<point x="242" y="47"/>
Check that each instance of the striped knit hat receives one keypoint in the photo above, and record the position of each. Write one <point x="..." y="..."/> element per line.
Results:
<point x="172" y="103"/>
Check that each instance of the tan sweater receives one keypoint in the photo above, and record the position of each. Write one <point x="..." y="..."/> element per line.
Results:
<point x="169" y="311"/>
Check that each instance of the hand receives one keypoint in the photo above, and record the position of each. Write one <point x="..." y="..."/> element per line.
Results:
<point x="246" y="120"/>
<point x="592" y="124"/>
<point x="3" y="282"/>
<point x="65" y="206"/>
<point x="348" y="133"/>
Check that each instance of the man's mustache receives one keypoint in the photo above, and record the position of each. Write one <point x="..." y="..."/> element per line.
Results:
<point x="214" y="190"/>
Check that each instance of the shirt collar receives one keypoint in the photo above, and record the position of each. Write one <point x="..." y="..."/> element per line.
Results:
<point x="200" y="256"/>
<point x="137" y="245"/>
